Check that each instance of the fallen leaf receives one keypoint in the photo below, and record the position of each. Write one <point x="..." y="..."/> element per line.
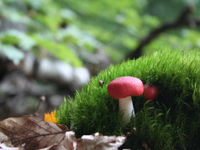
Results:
<point x="32" y="133"/>
<point x="90" y="142"/>
<point x="5" y="147"/>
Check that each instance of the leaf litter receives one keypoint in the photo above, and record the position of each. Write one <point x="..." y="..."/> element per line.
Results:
<point x="32" y="133"/>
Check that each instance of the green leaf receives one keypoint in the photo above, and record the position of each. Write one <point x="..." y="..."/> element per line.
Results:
<point x="15" y="37"/>
<point x="59" y="50"/>
<point x="12" y="53"/>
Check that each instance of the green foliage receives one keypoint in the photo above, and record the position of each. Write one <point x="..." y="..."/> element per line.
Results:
<point x="160" y="7"/>
<point x="85" y="27"/>
<point x="59" y="50"/>
<point x="12" y="53"/>
<point x="170" y="122"/>
<point x="35" y="25"/>
<point x="182" y="39"/>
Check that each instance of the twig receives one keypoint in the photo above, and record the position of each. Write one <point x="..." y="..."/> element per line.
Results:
<point x="42" y="99"/>
<point x="184" y="19"/>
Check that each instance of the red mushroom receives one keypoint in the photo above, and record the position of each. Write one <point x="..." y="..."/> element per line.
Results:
<point x="150" y="92"/>
<point x="123" y="88"/>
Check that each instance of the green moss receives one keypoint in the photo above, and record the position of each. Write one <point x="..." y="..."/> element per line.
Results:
<point x="172" y="121"/>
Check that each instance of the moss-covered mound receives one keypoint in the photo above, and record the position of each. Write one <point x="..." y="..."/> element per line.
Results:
<point x="171" y="121"/>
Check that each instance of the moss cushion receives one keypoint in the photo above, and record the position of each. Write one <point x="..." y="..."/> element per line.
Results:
<point x="171" y="121"/>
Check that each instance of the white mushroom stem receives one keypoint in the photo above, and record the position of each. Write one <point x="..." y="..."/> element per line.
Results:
<point x="126" y="106"/>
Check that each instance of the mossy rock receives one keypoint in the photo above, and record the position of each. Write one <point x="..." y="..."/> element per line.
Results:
<point x="171" y="121"/>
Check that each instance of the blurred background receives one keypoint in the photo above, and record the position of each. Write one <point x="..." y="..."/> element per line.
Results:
<point x="49" y="49"/>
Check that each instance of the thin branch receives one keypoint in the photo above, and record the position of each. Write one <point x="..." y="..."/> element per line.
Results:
<point x="184" y="19"/>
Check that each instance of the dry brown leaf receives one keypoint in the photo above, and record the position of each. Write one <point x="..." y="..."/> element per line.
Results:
<point x="90" y="142"/>
<point x="32" y="133"/>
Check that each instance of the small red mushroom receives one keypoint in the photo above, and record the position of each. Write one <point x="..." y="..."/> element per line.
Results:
<point x="123" y="88"/>
<point x="150" y="92"/>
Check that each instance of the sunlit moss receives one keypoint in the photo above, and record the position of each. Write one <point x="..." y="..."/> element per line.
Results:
<point x="171" y="121"/>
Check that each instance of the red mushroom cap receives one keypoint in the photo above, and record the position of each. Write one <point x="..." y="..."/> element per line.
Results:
<point x="125" y="86"/>
<point x="150" y="92"/>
